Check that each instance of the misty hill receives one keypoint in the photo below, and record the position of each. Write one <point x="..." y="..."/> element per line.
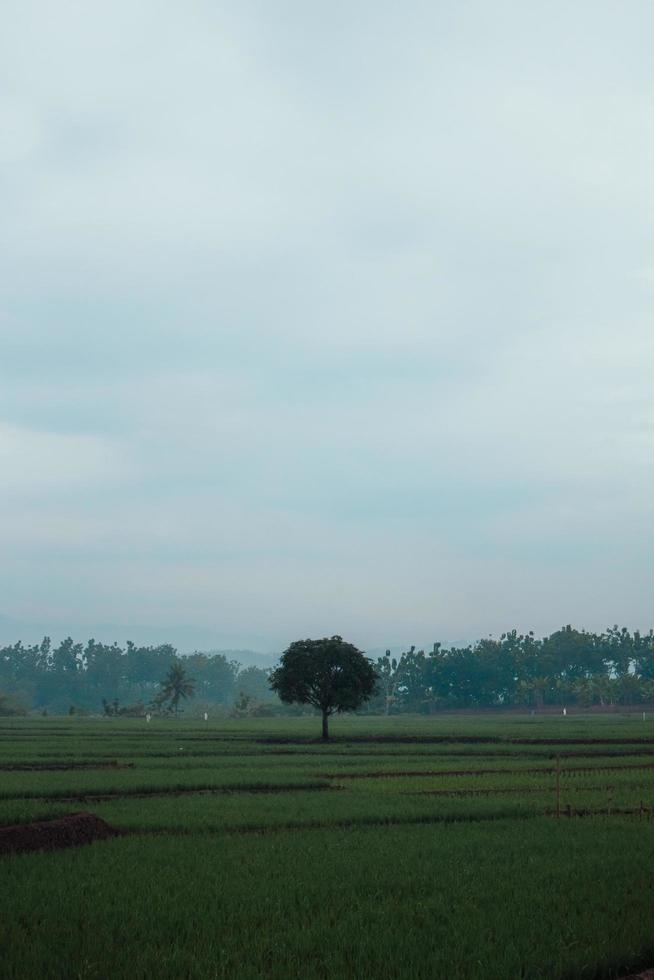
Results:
<point x="246" y="658"/>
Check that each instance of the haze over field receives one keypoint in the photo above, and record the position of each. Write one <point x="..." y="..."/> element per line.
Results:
<point x="324" y="318"/>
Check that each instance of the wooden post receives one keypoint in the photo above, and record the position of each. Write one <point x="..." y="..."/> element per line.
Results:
<point x="558" y="785"/>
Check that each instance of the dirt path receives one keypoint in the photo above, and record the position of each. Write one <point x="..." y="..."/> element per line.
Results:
<point x="144" y="793"/>
<point x="516" y="771"/>
<point x="62" y="766"/>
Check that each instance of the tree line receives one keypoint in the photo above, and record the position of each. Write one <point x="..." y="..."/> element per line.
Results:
<point x="95" y="677"/>
<point x="569" y="666"/>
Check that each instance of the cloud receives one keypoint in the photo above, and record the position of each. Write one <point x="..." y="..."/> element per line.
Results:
<point x="35" y="463"/>
<point x="330" y="315"/>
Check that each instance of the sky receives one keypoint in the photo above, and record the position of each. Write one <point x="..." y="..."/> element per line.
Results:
<point x="325" y="318"/>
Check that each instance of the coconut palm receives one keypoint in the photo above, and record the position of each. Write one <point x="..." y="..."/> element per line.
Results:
<point x="175" y="685"/>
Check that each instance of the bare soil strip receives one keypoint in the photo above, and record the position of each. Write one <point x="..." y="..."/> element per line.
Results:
<point x="437" y="739"/>
<point x="142" y="794"/>
<point x="608" y="811"/>
<point x="77" y="829"/>
<point x="364" y="822"/>
<point x="345" y="752"/>
<point x="581" y="741"/>
<point x="51" y="835"/>
<point x="342" y="824"/>
<point x="503" y="791"/>
<point x="58" y="766"/>
<point x="380" y="740"/>
<point x="541" y="770"/>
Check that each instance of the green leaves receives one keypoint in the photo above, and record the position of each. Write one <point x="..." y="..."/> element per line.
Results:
<point x="176" y="685"/>
<point x="329" y="674"/>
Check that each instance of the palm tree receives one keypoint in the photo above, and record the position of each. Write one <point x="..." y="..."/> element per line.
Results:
<point x="176" y="685"/>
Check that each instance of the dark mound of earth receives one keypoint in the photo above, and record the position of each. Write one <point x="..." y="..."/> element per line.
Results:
<point x="51" y="835"/>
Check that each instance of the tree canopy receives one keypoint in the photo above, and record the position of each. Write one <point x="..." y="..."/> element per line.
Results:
<point x="56" y="677"/>
<point x="328" y="674"/>
<point x="570" y="666"/>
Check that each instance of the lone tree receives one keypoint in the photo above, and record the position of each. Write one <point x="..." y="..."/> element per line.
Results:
<point x="175" y="685"/>
<point x="330" y="674"/>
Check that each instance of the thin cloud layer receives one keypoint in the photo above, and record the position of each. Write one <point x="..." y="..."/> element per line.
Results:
<point x="323" y="320"/>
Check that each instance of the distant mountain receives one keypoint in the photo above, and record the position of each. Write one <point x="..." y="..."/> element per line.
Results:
<point x="248" y="650"/>
<point x="246" y="658"/>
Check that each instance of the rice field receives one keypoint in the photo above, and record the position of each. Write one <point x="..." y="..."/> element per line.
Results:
<point x="445" y="846"/>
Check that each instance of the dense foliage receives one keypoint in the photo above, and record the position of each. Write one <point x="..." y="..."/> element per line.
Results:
<point x="111" y="679"/>
<point x="176" y="685"/>
<point x="329" y="674"/>
<point x="568" y="667"/>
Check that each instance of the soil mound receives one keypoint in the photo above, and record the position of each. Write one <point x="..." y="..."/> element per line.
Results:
<point x="50" y="835"/>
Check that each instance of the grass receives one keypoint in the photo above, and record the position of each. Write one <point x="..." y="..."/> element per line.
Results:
<point x="256" y="851"/>
<point x="462" y="901"/>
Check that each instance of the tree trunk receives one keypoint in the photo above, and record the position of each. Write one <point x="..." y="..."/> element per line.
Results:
<point x="325" y="724"/>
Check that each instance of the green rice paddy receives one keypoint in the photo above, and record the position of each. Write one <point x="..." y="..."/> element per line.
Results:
<point x="405" y="847"/>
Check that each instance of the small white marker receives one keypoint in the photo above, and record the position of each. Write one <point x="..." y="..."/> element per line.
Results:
<point x="565" y="711"/>
<point x="206" y="716"/>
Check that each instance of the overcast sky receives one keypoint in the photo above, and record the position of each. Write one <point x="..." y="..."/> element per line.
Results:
<point x="327" y="317"/>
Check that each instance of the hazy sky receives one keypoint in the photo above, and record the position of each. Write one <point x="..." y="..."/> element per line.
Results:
<point x="327" y="317"/>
